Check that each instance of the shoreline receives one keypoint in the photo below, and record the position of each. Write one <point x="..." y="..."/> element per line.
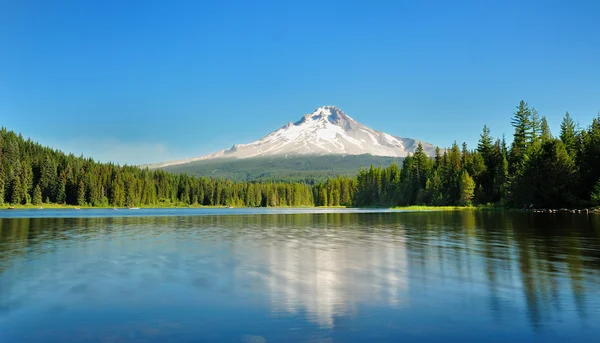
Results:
<point x="73" y="207"/>
<point x="413" y="208"/>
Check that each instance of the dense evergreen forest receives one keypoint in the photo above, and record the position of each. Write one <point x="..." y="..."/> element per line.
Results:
<point x="305" y="169"/>
<point x="537" y="170"/>
<point x="33" y="174"/>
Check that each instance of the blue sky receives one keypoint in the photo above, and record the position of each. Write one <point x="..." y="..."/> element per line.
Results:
<point x="147" y="81"/>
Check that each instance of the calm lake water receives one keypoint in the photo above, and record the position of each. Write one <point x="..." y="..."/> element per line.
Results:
<point x="242" y="275"/>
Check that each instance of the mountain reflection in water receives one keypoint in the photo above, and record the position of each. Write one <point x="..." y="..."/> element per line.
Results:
<point x="301" y="277"/>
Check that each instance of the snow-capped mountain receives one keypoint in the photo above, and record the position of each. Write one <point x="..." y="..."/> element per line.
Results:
<point x="326" y="131"/>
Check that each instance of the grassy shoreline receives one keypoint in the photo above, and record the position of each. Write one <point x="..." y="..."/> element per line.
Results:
<point x="67" y="207"/>
<point x="413" y="208"/>
<point x="419" y="208"/>
<point x="159" y="206"/>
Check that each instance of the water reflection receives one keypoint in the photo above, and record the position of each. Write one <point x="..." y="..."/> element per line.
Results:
<point x="326" y="273"/>
<point x="358" y="276"/>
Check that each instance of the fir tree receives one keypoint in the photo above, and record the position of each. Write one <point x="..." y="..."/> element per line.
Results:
<point x="545" y="134"/>
<point x="567" y="133"/>
<point x="37" y="195"/>
<point x="81" y="193"/>
<point x="485" y="143"/>
<point x="536" y="126"/>
<point x="1" y="178"/>
<point x="467" y="189"/>
<point x="16" y="195"/>
<point x="521" y="121"/>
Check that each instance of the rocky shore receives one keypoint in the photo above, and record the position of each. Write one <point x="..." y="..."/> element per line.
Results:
<point x="563" y="210"/>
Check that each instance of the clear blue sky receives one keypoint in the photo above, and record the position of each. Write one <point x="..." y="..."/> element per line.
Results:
<point x="146" y="81"/>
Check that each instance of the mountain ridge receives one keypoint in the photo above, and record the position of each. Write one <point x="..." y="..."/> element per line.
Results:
<point x="325" y="131"/>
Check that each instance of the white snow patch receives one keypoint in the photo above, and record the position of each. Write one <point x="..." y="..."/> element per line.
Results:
<point x="327" y="130"/>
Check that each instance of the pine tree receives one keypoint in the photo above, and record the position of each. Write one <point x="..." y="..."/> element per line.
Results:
<point x="484" y="147"/>
<point x="521" y="121"/>
<point x="452" y="174"/>
<point x="47" y="177"/>
<point x="437" y="160"/>
<point x="567" y="133"/>
<point x="1" y="177"/>
<point x="503" y="146"/>
<point x="421" y="167"/>
<point x="61" y="192"/>
<point x="81" y="193"/>
<point x="16" y="196"/>
<point x="536" y="126"/>
<point x="545" y="134"/>
<point x="467" y="189"/>
<point x="37" y="195"/>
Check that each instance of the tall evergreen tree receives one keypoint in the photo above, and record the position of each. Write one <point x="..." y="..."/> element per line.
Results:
<point x="1" y="177"/>
<point x="467" y="189"/>
<point x="485" y="143"/>
<point x="37" y="195"/>
<point x="536" y="126"/>
<point x="568" y="133"/>
<point x="81" y="193"/>
<point x="16" y="195"/>
<point x="545" y="134"/>
<point x="521" y="121"/>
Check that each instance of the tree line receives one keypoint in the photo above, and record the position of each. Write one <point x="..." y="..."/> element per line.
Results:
<point x="33" y="174"/>
<point x="537" y="169"/>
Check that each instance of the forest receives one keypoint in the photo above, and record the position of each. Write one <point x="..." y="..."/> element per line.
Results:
<point x="33" y="174"/>
<point x="538" y="169"/>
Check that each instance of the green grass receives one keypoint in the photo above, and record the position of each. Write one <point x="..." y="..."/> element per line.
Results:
<point x="444" y="208"/>
<point x="59" y="206"/>
<point x="160" y="205"/>
<point x="45" y="206"/>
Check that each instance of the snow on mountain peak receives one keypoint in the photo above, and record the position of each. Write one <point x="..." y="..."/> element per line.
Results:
<point x="327" y="130"/>
<point x="331" y="114"/>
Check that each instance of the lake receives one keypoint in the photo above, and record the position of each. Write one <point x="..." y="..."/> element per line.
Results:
<point x="298" y="275"/>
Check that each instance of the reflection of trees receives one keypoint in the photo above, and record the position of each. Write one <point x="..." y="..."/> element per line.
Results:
<point x="545" y="257"/>
<point x="326" y="264"/>
<point x="550" y="249"/>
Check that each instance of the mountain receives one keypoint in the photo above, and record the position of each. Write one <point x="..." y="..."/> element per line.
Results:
<point x="326" y="131"/>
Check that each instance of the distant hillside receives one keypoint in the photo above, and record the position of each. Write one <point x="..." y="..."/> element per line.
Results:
<point x="309" y="169"/>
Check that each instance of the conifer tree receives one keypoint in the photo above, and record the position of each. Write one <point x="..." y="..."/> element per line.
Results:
<point x="37" y="195"/>
<point x="536" y="126"/>
<point x="16" y="196"/>
<point x="1" y="177"/>
<point x="545" y="134"/>
<point x="81" y="193"/>
<point x="467" y="189"/>
<point x="521" y="121"/>
<point x="567" y="133"/>
<point x="484" y="147"/>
